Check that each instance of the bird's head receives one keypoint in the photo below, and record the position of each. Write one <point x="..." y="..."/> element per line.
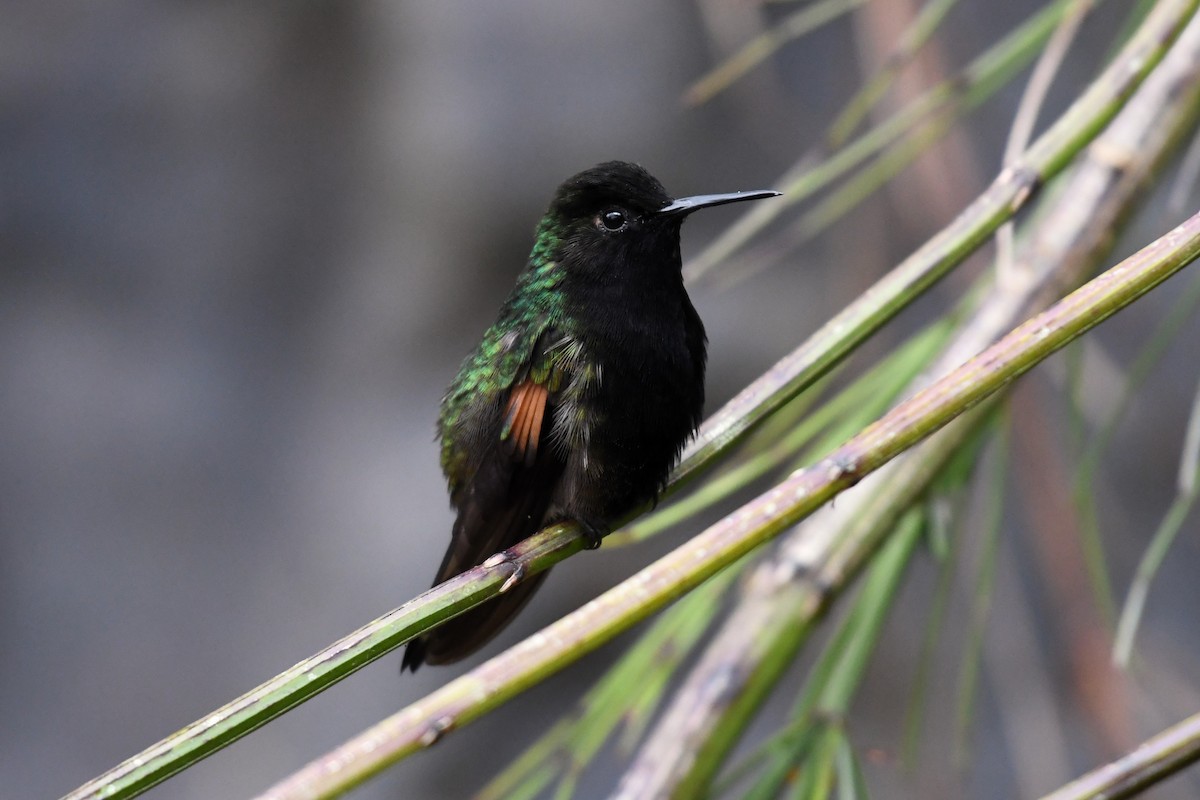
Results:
<point x="617" y="217"/>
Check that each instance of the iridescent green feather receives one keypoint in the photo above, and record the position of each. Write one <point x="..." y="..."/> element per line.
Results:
<point x="506" y="354"/>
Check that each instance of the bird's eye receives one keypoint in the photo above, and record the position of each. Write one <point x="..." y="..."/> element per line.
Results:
<point x="613" y="220"/>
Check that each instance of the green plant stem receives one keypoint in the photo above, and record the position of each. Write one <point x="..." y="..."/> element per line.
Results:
<point x="974" y="84"/>
<point x="783" y="601"/>
<point x="1010" y="191"/>
<point x="1083" y="490"/>
<point x="1153" y="761"/>
<point x="914" y="717"/>
<point x="1168" y="529"/>
<point x="981" y="599"/>
<point x="833" y="682"/>
<point x="866" y="183"/>
<point x="565" y="641"/>
<point x="341" y="659"/>
<point x="760" y="48"/>
<point x="1028" y="109"/>
<point x="911" y="41"/>
<point x="1066" y="243"/>
<point x="616" y="699"/>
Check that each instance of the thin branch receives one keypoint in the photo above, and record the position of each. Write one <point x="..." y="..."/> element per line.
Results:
<point x="688" y="742"/>
<point x="1048" y="65"/>
<point x="907" y="46"/>
<point x="760" y="48"/>
<point x="565" y="641"/>
<point x="974" y="83"/>
<point x="317" y="673"/>
<point x="1153" y="761"/>
<point x="1007" y="194"/>
<point x="783" y="600"/>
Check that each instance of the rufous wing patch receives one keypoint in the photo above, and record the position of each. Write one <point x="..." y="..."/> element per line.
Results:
<point x="523" y="419"/>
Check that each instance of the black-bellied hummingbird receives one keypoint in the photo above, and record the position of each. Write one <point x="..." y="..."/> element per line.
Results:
<point x="578" y="401"/>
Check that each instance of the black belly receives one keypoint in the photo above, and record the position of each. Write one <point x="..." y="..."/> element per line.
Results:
<point x="640" y="427"/>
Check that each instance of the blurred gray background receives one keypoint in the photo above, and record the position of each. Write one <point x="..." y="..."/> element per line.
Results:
<point x="245" y="248"/>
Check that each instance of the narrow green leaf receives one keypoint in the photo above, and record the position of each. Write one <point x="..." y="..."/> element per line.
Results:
<point x="984" y="583"/>
<point x="1084" y="493"/>
<point x="627" y="694"/>
<point x="851" y="783"/>
<point x="760" y="48"/>
<point x="909" y="43"/>
<point x="915" y="713"/>
<point x="1168" y="529"/>
<point x="968" y="89"/>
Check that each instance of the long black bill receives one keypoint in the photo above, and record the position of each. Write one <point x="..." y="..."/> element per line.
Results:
<point x="686" y="205"/>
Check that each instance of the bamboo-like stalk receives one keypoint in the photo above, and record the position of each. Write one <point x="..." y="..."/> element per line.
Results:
<point x="761" y="47"/>
<point x="1044" y="72"/>
<point x="1152" y="761"/>
<point x="565" y="641"/>
<point x="772" y="621"/>
<point x="1007" y="194"/>
<point x="317" y="673"/>
<point x="782" y="601"/>
<point x="976" y="81"/>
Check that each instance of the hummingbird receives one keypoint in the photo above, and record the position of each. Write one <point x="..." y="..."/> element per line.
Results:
<point x="578" y="401"/>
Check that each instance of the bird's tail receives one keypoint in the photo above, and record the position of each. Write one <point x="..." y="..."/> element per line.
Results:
<point x="471" y="630"/>
<point x="481" y="530"/>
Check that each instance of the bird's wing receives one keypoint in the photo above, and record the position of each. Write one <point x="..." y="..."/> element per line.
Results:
<point x="524" y="417"/>
<point x="512" y="476"/>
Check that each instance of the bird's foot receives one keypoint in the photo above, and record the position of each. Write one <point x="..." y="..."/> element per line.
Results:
<point x="500" y="559"/>
<point x="593" y="534"/>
